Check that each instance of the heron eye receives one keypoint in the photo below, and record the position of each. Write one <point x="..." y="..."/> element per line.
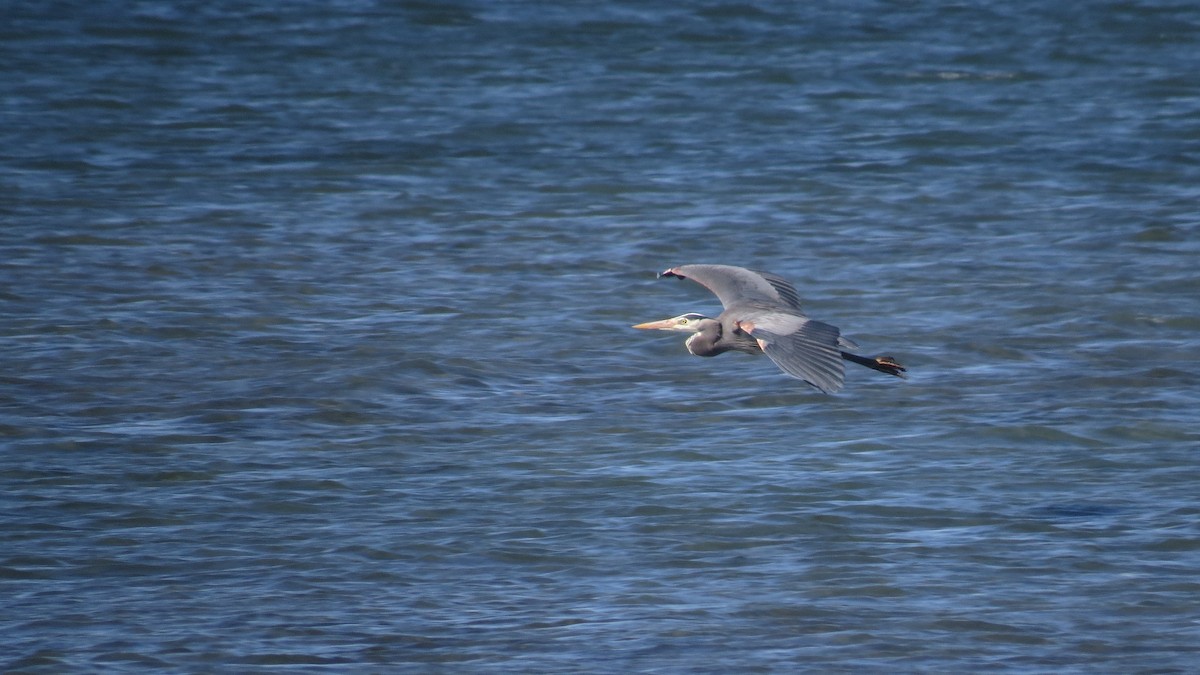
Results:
<point x="684" y="320"/>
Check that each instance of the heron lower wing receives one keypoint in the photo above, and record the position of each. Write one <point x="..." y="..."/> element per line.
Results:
<point x="809" y="353"/>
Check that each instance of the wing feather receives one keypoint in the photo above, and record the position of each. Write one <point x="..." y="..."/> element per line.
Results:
<point x="734" y="285"/>
<point x="787" y="292"/>
<point x="809" y="352"/>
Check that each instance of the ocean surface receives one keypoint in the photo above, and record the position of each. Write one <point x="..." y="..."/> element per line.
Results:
<point x="315" y="332"/>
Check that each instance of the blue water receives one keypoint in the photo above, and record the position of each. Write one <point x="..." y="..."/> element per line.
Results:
<point x="316" y="345"/>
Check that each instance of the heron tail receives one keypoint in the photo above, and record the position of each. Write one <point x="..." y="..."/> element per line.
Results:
<point x="884" y="364"/>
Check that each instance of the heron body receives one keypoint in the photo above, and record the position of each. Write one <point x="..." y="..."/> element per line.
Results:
<point x="762" y="315"/>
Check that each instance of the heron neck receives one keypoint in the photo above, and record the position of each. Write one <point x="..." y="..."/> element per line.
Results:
<point x="707" y="341"/>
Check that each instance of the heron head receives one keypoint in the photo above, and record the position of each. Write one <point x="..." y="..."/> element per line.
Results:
<point x="688" y="323"/>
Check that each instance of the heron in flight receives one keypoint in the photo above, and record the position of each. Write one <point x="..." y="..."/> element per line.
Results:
<point x="762" y="316"/>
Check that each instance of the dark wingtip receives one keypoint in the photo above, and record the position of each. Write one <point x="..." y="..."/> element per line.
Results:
<point x="670" y="272"/>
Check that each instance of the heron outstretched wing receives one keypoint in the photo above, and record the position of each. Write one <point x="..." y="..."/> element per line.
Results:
<point x="800" y="346"/>
<point x="734" y="285"/>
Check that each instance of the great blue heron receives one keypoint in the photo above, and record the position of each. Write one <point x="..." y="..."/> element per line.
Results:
<point x="762" y="316"/>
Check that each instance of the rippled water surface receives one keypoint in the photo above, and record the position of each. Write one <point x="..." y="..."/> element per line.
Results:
<point x="317" y="353"/>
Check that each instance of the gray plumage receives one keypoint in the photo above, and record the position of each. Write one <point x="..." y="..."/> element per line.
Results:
<point x="762" y="315"/>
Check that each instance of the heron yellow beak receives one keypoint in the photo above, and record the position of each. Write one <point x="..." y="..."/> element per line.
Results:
<point x="665" y="324"/>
